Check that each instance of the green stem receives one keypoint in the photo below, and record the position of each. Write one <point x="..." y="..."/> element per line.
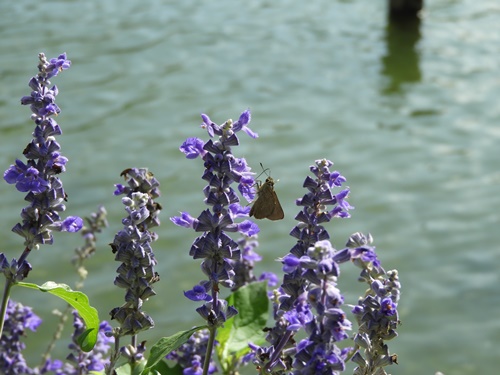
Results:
<point x="210" y="347"/>
<point x="5" y="301"/>
<point x="115" y="354"/>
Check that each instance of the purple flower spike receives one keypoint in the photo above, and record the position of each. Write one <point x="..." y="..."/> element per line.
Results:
<point x="308" y="298"/>
<point x="132" y="248"/>
<point x="376" y="312"/>
<point x="38" y="176"/>
<point x="18" y="319"/>
<point x="225" y="262"/>
<point x="220" y="253"/>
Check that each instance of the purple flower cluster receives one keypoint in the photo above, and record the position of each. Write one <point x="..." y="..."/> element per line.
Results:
<point x="214" y="246"/>
<point x="38" y="176"/>
<point x="243" y="268"/>
<point x="132" y="247"/>
<point x="308" y="297"/>
<point x="19" y="318"/>
<point x="78" y="361"/>
<point x="376" y="312"/>
<point x="311" y="218"/>
<point x="191" y="355"/>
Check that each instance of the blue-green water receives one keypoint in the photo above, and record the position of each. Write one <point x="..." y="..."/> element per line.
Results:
<point x="409" y="116"/>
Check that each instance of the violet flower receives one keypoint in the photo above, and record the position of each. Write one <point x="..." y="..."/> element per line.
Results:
<point x="311" y="218"/>
<point x="132" y="247"/>
<point x="376" y="312"/>
<point x="329" y="324"/>
<point x="214" y="246"/>
<point x="309" y="284"/>
<point x="18" y="320"/>
<point x="39" y="175"/>
<point x="243" y="267"/>
<point x="220" y="253"/>
<point x="191" y="355"/>
<point x="78" y="361"/>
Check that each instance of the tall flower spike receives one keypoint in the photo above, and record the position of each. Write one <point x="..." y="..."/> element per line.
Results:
<point x="309" y="282"/>
<point x="132" y="247"/>
<point x="19" y="318"/>
<point x="314" y="214"/>
<point x="376" y="312"/>
<point x="217" y="249"/>
<point x="39" y="175"/>
<point x="222" y="169"/>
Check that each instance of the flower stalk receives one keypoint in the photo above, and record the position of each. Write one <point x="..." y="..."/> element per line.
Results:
<point x="38" y="177"/>
<point x="132" y="248"/>
<point x="217" y="249"/>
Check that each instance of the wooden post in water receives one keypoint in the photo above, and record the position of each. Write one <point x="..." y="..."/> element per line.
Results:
<point x="405" y="8"/>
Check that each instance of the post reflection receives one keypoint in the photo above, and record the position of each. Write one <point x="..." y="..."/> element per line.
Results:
<point x="401" y="63"/>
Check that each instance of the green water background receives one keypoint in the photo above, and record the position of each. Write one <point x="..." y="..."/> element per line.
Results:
<point x="409" y="116"/>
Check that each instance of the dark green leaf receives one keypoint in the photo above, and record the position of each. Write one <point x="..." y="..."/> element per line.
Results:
<point x="252" y="304"/>
<point x="165" y="345"/>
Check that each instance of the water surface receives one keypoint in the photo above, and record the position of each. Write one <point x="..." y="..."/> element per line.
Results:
<point x="408" y="115"/>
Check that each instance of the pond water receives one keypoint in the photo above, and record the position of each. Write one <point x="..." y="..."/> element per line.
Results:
<point x="409" y="116"/>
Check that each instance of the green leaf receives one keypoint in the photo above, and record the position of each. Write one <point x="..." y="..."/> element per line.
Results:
<point x="162" y="368"/>
<point x="128" y="369"/>
<point x="124" y="369"/>
<point x="252" y="304"/>
<point x="80" y="302"/>
<point x="165" y="345"/>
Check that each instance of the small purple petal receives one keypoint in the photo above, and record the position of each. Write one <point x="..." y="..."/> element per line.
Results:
<point x="242" y="123"/>
<point x="185" y="220"/>
<point x="192" y="148"/>
<point x="198" y="293"/>
<point x="11" y="175"/>
<point x="250" y="132"/>
<point x="72" y="224"/>
<point x="290" y="263"/>
<point x="272" y="278"/>
<point x="119" y="189"/>
<point x="237" y="210"/>
<point x="208" y="124"/>
<point x="30" y="181"/>
<point x="248" y="228"/>
<point x="245" y="117"/>
<point x="388" y="307"/>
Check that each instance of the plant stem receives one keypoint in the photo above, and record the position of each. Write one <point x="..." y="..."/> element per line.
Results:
<point x="210" y="347"/>
<point x="5" y="301"/>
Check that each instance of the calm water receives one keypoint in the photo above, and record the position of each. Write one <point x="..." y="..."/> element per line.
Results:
<point x="409" y="116"/>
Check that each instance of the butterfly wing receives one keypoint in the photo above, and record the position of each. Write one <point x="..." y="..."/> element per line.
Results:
<point x="277" y="213"/>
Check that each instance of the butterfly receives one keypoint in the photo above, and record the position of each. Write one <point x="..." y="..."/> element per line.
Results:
<point x="267" y="205"/>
